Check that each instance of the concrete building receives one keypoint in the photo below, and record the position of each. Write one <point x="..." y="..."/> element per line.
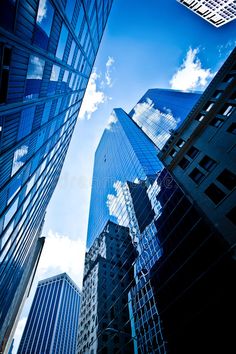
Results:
<point x="216" y="12"/>
<point x="104" y="325"/>
<point x="52" y="323"/>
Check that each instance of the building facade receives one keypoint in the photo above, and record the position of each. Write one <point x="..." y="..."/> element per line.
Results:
<point x="47" y="51"/>
<point x="104" y="325"/>
<point x="52" y="323"/>
<point x="216" y="12"/>
<point x="136" y="156"/>
<point x="184" y="268"/>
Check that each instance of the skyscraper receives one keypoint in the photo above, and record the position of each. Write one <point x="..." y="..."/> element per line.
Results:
<point x="136" y="156"/>
<point x="103" y="328"/>
<point x="47" y="51"/>
<point x="216" y="12"/>
<point x="52" y="323"/>
<point x="184" y="268"/>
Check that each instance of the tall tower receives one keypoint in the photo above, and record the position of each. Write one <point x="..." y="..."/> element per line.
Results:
<point x="180" y="215"/>
<point x="52" y="323"/>
<point x="47" y="51"/>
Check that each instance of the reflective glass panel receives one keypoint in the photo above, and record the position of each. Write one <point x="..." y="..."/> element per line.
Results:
<point x="43" y="23"/>
<point x="62" y="42"/>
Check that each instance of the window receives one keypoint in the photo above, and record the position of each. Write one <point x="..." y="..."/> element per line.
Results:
<point x="231" y="215"/>
<point x="173" y="153"/>
<point x="43" y="23"/>
<point x="200" y="117"/>
<point x="228" y="179"/>
<point x="180" y="143"/>
<point x="196" y="175"/>
<point x="232" y="128"/>
<point x="26" y="122"/>
<point x="217" y="94"/>
<point x="46" y="112"/>
<point x="52" y="85"/>
<point x="184" y="163"/>
<point x="7" y="13"/>
<point x="208" y="107"/>
<point x="214" y="193"/>
<point x="19" y="158"/>
<point x="34" y="77"/>
<point x="228" y="78"/>
<point x="5" y="59"/>
<point x="207" y="163"/>
<point x="62" y="42"/>
<point x="70" y="5"/>
<point x="192" y="152"/>
<point x="227" y="110"/>
<point x="71" y="55"/>
<point x="216" y="122"/>
<point x="79" y="21"/>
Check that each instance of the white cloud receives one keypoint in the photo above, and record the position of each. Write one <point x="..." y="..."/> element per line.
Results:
<point x="111" y="120"/>
<point x="18" y="333"/>
<point x="191" y="76"/>
<point x="92" y="98"/>
<point x="159" y="123"/>
<point x="108" y="78"/>
<point x="42" y="11"/>
<point x="62" y="254"/>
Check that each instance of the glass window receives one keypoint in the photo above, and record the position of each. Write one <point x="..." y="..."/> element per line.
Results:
<point x="77" y="59"/>
<point x="65" y="76"/>
<point x="20" y="156"/>
<point x="35" y="68"/>
<point x="209" y="107"/>
<point x="231" y="215"/>
<point x="217" y="122"/>
<point x="232" y="128"/>
<point x="5" y="58"/>
<point x="34" y="77"/>
<point x="46" y="112"/>
<point x="72" y="50"/>
<point x="9" y="214"/>
<point x="214" y="193"/>
<point x="180" y="143"/>
<point x="26" y="122"/>
<point x="79" y="21"/>
<point x="184" y="163"/>
<point x="196" y="175"/>
<point x="227" y="110"/>
<point x="200" y="117"/>
<point x="52" y="85"/>
<point x="207" y="163"/>
<point x="228" y="179"/>
<point x="62" y="42"/>
<point x="43" y="23"/>
<point x="173" y="153"/>
<point x="70" y="5"/>
<point x="7" y="13"/>
<point x="192" y="152"/>
<point x="55" y="73"/>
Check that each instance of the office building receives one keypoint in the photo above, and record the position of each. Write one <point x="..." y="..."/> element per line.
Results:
<point x="52" y="323"/>
<point x="104" y="316"/>
<point x="47" y="51"/>
<point x="216" y="12"/>
<point x="161" y="111"/>
<point x="136" y="156"/>
<point x="119" y="193"/>
<point x="182" y="227"/>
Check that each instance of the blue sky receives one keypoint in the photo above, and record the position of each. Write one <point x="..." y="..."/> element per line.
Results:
<point x="146" y="44"/>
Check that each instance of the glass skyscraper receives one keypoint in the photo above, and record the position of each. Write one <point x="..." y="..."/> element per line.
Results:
<point x="156" y="114"/>
<point x="52" y="323"/>
<point x="183" y="269"/>
<point x="47" y="51"/>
